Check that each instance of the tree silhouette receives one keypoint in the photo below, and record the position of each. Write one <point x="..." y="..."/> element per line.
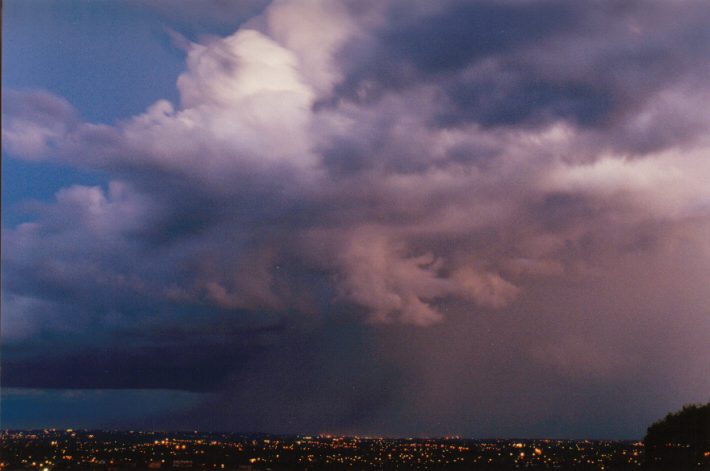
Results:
<point x="680" y="441"/>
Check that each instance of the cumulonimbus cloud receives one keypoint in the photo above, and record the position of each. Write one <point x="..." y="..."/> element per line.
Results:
<point x="391" y="162"/>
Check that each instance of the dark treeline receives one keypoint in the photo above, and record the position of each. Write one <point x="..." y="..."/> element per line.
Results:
<point x="680" y="441"/>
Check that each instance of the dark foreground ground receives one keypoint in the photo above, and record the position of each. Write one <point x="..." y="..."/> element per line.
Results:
<point x="46" y="450"/>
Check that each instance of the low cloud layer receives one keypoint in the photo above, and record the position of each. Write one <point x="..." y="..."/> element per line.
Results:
<point x="525" y="180"/>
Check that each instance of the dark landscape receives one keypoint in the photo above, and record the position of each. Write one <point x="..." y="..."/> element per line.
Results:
<point x="80" y="449"/>
<point x="680" y="441"/>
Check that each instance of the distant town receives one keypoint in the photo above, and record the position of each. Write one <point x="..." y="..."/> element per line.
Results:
<point x="51" y="449"/>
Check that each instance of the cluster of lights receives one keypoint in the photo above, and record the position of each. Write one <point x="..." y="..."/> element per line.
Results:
<point x="55" y="450"/>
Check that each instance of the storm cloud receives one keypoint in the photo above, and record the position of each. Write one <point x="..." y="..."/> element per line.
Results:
<point x="387" y="218"/>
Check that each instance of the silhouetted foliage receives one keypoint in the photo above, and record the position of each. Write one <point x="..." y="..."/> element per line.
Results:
<point x="681" y="440"/>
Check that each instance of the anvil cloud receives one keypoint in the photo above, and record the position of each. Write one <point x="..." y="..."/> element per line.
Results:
<point x="386" y="217"/>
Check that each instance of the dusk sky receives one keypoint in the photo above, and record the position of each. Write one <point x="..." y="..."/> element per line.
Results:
<point x="404" y="218"/>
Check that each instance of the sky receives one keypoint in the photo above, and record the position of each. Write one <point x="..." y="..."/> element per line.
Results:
<point x="401" y="218"/>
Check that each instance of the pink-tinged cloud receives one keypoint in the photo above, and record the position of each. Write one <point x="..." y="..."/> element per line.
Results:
<point x="532" y="189"/>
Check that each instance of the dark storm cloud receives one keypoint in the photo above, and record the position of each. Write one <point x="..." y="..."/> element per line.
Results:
<point x="280" y="236"/>
<point x="414" y="46"/>
<point x="595" y="64"/>
<point x="132" y="369"/>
